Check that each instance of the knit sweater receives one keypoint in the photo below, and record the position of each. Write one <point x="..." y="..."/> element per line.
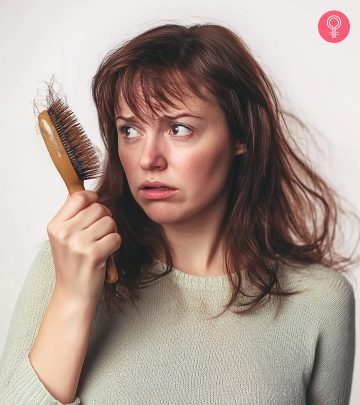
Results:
<point x="166" y="350"/>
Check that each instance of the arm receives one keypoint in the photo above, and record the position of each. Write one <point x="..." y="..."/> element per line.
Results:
<point x="58" y="304"/>
<point x="60" y="347"/>
<point x="331" y="378"/>
<point x="19" y="383"/>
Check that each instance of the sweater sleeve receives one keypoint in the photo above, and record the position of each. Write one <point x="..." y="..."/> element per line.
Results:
<point x="332" y="373"/>
<point x="19" y="383"/>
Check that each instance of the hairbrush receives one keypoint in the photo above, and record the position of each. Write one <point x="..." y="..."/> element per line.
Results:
<point x="73" y="154"/>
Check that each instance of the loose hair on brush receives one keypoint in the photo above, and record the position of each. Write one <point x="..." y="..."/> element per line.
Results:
<point x="280" y="211"/>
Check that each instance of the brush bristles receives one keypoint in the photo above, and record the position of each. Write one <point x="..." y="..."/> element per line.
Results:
<point x="84" y="156"/>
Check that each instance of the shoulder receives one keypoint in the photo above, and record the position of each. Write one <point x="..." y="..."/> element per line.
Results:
<point x="326" y="290"/>
<point x="43" y="251"/>
<point x="41" y="275"/>
<point x="318" y="277"/>
<point x="33" y="297"/>
<point x="43" y="259"/>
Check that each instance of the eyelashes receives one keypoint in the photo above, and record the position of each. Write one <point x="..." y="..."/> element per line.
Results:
<point x="123" y="131"/>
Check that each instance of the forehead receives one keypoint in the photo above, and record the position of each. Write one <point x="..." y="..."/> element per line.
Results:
<point x="194" y="104"/>
<point x="153" y="107"/>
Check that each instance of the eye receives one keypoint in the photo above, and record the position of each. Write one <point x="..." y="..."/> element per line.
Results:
<point x="183" y="126"/>
<point x="123" y="130"/>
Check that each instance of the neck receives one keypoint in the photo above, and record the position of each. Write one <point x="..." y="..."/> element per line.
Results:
<point x="197" y="243"/>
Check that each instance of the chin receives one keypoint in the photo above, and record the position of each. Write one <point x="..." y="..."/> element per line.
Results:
<point x="162" y="218"/>
<point x="169" y="215"/>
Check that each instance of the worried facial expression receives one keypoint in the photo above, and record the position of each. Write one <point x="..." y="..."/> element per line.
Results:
<point x="188" y="148"/>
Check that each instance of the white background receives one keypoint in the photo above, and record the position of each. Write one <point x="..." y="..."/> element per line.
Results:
<point x="319" y="81"/>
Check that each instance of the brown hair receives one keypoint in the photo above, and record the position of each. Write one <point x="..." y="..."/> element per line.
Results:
<point x="279" y="211"/>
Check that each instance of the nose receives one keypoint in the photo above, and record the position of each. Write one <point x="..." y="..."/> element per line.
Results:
<point x="153" y="153"/>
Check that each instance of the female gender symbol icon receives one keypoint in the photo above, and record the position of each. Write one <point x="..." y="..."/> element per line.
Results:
<point x="333" y="28"/>
<point x="337" y="22"/>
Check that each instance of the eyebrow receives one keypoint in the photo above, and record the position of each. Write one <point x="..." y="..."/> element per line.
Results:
<point x="170" y="117"/>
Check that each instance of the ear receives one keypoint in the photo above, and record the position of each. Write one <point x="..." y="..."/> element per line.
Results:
<point x="240" y="148"/>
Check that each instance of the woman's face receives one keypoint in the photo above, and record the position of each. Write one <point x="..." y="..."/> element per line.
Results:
<point x="190" y="153"/>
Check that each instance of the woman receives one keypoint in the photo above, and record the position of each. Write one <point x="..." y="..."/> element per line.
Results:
<point x="240" y="229"/>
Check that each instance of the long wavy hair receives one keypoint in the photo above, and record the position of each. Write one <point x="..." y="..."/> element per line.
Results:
<point x="280" y="211"/>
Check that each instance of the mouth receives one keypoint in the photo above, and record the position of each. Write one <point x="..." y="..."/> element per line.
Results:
<point x="156" y="193"/>
<point x="157" y="188"/>
<point x="155" y="185"/>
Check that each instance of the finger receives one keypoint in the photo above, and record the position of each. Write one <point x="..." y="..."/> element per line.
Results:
<point x="89" y="216"/>
<point x="75" y="203"/>
<point x="111" y="242"/>
<point x="99" y="229"/>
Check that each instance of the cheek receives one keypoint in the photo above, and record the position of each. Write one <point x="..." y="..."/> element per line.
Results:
<point x="205" y="170"/>
<point x="128" y="165"/>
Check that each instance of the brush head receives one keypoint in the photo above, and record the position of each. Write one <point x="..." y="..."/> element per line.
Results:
<point x="85" y="157"/>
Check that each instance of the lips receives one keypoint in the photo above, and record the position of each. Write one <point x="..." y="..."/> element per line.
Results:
<point x="155" y="185"/>
<point x="157" y="193"/>
<point x="157" y="188"/>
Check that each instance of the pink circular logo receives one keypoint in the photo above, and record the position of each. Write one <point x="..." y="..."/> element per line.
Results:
<point x="334" y="26"/>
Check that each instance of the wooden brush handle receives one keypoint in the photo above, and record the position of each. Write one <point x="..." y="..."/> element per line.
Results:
<point x="111" y="272"/>
<point x="64" y="166"/>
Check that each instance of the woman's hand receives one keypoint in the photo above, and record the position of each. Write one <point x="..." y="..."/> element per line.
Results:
<point x="82" y="236"/>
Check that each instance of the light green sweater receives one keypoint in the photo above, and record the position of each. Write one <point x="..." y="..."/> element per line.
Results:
<point x="168" y="352"/>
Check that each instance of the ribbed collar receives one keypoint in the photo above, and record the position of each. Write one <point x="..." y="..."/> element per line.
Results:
<point x="192" y="281"/>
